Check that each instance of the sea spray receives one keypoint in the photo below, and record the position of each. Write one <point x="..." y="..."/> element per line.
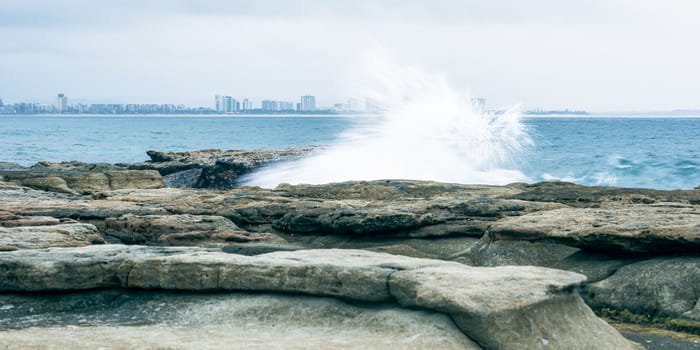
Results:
<point x="426" y="130"/>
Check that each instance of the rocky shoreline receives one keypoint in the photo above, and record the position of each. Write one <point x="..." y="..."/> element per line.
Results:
<point x="516" y="266"/>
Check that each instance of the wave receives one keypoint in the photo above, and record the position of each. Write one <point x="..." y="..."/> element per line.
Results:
<point x="426" y="130"/>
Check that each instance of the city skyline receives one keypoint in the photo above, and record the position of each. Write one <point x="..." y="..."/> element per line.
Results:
<point x="230" y="105"/>
<point x="222" y="104"/>
<point x="595" y="55"/>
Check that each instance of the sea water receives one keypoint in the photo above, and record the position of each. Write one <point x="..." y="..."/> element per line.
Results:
<point x="659" y="152"/>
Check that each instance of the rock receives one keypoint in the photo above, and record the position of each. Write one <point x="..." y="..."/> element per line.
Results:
<point x="121" y="179"/>
<point x="654" y="288"/>
<point x="595" y="266"/>
<point x="48" y="183"/>
<point x="74" y="166"/>
<point x="499" y="253"/>
<point x="596" y="196"/>
<point x="213" y="169"/>
<point x="246" y="159"/>
<point x="502" y="307"/>
<point x="185" y="178"/>
<point x="659" y="228"/>
<point x="532" y="308"/>
<point x="412" y="218"/>
<point x="38" y="237"/>
<point x="59" y="179"/>
<point x="158" y="320"/>
<point x="394" y="189"/>
<point x="10" y="166"/>
<point x="16" y="221"/>
<point x="349" y="218"/>
<point x="177" y="229"/>
<point x="445" y="248"/>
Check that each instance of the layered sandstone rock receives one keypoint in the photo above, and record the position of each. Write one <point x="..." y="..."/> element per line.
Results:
<point x="501" y="307"/>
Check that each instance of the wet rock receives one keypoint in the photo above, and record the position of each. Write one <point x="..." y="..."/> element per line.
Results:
<point x="185" y="178"/>
<point x="213" y="169"/>
<point x="660" y="228"/>
<point x="38" y="237"/>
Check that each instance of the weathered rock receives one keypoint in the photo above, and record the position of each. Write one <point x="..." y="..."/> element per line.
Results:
<point x="595" y="266"/>
<point x="404" y="217"/>
<point x="394" y="189"/>
<point x="150" y="320"/>
<point x="499" y="253"/>
<point x="532" y="308"/>
<point x="503" y="307"/>
<point x="656" y="229"/>
<point x="16" y="221"/>
<point x="653" y="288"/>
<point x="177" y="229"/>
<point x="38" y="237"/>
<point x="445" y="248"/>
<point x="74" y="166"/>
<point x="185" y="178"/>
<point x="214" y="169"/>
<point x="84" y="182"/>
<point x="596" y="196"/>
<point x="120" y="179"/>
<point x="10" y="166"/>
<point x="27" y="202"/>
<point x="48" y="183"/>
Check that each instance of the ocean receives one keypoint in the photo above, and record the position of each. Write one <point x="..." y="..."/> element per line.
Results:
<point x="661" y="153"/>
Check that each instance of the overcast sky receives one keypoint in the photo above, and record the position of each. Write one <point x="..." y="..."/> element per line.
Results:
<point x="598" y="55"/>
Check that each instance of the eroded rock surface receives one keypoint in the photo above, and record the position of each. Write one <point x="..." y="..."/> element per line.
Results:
<point x="601" y="232"/>
<point x="656" y="228"/>
<point x="214" y="169"/>
<point x="181" y="229"/>
<point x="38" y="237"/>
<point x="501" y="307"/>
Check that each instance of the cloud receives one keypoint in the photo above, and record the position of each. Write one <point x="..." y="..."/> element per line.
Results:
<point x="544" y="53"/>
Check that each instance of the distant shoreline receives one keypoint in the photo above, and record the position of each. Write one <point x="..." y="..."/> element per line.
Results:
<point x="195" y="115"/>
<point x="252" y="116"/>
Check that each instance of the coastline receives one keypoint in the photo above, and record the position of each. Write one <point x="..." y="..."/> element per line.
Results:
<point x="195" y="115"/>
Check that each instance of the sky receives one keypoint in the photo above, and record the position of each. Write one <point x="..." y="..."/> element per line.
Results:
<point x="597" y="55"/>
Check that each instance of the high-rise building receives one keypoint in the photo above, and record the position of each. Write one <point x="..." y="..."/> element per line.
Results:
<point x="247" y="105"/>
<point x="61" y="103"/>
<point x="228" y="104"/>
<point x="286" y="105"/>
<point x="270" y="106"/>
<point x="308" y="103"/>
<point x="219" y="103"/>
<point x="1" y="105"/>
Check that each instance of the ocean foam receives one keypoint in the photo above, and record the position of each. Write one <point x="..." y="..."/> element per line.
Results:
<point x="427" y="130"/>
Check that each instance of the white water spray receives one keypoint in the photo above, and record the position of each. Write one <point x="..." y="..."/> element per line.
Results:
<point x="427" y="131"/>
